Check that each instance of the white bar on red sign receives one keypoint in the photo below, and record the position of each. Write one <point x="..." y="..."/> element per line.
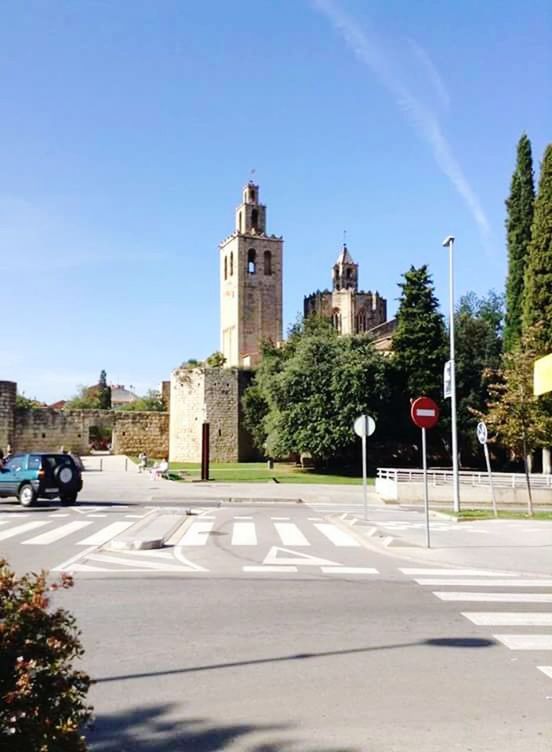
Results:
<point x="424" y="411"/>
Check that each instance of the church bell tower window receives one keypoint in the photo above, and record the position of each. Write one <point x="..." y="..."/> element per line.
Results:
<point x="231" y="263"/>
<point x="267" y="263"/>
<point x="254" y="218"/>
<point x="251" y="261"/>
<point x="225" y="267"/>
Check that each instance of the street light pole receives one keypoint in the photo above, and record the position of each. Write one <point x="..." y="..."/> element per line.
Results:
<point x="449" y="242"/>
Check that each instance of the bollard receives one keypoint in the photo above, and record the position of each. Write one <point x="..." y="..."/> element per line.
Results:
<point x="101" y="464"/>
<point x="126" y="464"/>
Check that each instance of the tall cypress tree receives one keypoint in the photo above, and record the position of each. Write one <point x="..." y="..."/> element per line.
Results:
<point x="518" y="227"/>
<point x="537" y="298"/>
<point x="419" y="341"/>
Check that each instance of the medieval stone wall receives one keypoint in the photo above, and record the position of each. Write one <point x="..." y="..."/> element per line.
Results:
<point x="8" y="390"/>
<point x="135" y="432"/>
<point x="46" y="430"/>
<point x="212" y="395"/>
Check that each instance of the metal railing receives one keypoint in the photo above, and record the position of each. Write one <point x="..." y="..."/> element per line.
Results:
<point x="467" y="477"/>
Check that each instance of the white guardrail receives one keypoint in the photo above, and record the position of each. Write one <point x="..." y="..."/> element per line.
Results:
<point x="467" y="477"/>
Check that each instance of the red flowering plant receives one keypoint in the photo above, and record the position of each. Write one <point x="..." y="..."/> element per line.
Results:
<point x="42" y="697"/>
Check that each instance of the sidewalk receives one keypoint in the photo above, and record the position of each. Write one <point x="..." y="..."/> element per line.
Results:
<point x="523" y="546"/>
<point x="120" y="481"/>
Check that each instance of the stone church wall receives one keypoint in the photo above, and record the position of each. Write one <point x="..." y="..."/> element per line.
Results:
<point x="214" y="395"/>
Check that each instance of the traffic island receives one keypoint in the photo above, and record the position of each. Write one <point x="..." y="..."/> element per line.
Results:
<point x="151" y="532"/>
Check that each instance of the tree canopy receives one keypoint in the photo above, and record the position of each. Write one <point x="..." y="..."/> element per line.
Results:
<point x="519" y="207"/>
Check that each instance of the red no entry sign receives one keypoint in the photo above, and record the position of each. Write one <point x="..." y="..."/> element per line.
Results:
<point x="424" y="412"/>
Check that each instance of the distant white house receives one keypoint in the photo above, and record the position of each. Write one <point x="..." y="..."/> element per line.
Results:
<point x="121" y="396"/>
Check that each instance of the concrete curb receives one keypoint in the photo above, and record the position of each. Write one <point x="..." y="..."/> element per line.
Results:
<point x="151" y="532"/>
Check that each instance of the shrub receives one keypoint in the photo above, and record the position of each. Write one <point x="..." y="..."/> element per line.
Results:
<point x="42" y="698"/>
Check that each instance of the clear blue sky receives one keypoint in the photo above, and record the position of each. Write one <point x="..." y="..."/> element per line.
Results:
<point x="128" y="129"/>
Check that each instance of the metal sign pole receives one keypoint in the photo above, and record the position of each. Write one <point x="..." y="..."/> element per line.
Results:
<point x="488" y="461"/>
<point x="426" y="493"/>
<point x="364" y="479"/>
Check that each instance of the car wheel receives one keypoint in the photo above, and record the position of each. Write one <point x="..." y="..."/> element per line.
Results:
<point x="69" y="499"/>
<point x="27" y="495"/>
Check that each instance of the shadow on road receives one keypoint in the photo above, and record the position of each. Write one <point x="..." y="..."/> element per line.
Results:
<point x="154" y="729"/>
<point x="440" y="642"/>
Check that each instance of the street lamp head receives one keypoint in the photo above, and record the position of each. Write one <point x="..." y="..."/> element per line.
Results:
<point x="448" y="240"/>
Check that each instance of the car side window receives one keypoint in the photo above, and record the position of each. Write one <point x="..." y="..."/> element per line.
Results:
<point x="35" y="462"/>
<point x="16" y="463"/>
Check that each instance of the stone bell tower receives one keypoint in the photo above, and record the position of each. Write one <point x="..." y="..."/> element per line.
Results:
<point x="250" y="284"/>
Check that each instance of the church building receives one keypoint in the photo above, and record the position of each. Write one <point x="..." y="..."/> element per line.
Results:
<point x="250" y="284"/>
<point x="351" y="311"/>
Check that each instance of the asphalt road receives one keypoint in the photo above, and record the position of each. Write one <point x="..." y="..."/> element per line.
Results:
<point x="270" y="628"/>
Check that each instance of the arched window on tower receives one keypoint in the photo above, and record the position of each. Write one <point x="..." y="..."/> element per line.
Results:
<point x="252" y="193"/>
<point x="225" y="267"/>
<point x="254" y="219"/>
<point x="361" y="321"/>
<point x="336" y="320"/>
<point x="267" y="263"/>
<point x="251" y="261"/>
<point x="240" y="221"/>
<point x="232" y="262"/>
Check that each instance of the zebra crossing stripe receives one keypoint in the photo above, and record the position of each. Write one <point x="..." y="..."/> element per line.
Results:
<point x="141" y="564"/>
<point x="24" y="528"/>
<point x="196" y="534"/>
<point x="266" y="568"/>
<point x="51" y="536"/>
<point x="495" y="597"/>
<point x="335" y="535"/>
<point x="486" y="583"/>
<point x="105" y="534"/>
<point x="525" y="641"/>
<point x="290" y="535"/>
<point x="508" y="619"/>
<point x="349" y="570"/>
<point x="455" y="572"/>
<point x="546" y="670"/>
<point x="244" y="534"/>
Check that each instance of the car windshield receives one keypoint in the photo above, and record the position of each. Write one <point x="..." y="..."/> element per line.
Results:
<point x="15" y="463"/>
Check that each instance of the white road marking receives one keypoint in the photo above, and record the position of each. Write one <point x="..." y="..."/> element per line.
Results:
<point x="25" y="527"/>
<point x="56" y="534"/>
<point x="314" y="519"/>
<point x="456" y="572"/>
<point x="67" y="565"/>
<point x="269" y="569"/>
<point x="4" y="522"/>
<point x="525" y="641"/>
<point x="89" y="568"/>
<point x="196" y="534"/>
<point x="242" y="517"/>
<point x="335" y="535"/>
<point x="281" y="519"/>
<point x="127" y="516"/>
<point x="97" y="516"/>
<point x="105" y="534"/>
<point x="296" y="557"/>
<point x="349" y="570"/>
<point x="487" y="583"/>
<point x="243" y="534"/>
<point x="290" y="535"/>
<point x="496" y="597"/>
<point x="59" y="514"/>
<point x="546" y="670"/>
<point x="159" y="566"/>
<point x="508" y="619"/>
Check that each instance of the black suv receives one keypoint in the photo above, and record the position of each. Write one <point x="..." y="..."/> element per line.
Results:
<point x="40" y="475"/>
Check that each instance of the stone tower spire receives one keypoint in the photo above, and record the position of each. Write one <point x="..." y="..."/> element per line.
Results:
<point x="345" y="272"/>
<point x="250" y="283"/>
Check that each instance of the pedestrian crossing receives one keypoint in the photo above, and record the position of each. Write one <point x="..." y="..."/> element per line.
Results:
<point x="240" y="531"/>
<point x="516" y="593"/>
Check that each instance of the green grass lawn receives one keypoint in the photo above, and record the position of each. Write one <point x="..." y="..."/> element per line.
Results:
<point x="503" y="514"/>
<point x="258" y="472"/>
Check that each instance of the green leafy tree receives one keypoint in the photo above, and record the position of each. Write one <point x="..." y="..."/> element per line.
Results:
<point x="42" y="697"/>
<point x="85" y="399"/>
<point x="537" y="301"/>
<point x="419" y="341"/>
<point x="104" y="392"/>
<point x="215" y="360"/>
<point x="478" y="330"/>
<point x="150" y="402"/>
<point x="307" y="394"/>
<point x="26" y="403"/>
<point x="521" y="421"/>
<point x="518" y="230"/>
